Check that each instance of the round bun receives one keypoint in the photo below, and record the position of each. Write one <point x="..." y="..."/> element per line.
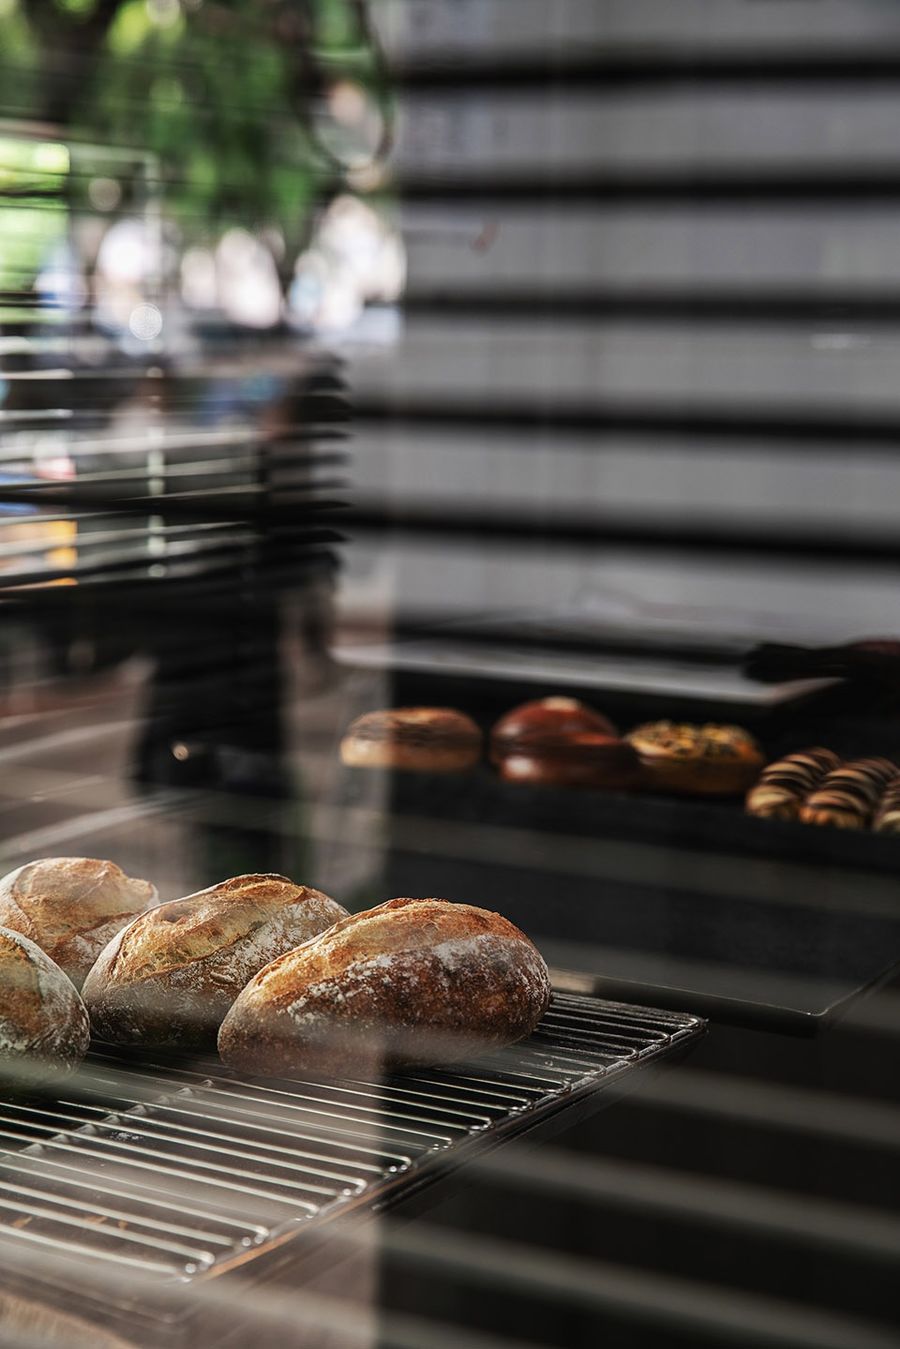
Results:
<point x="418" y="739"/>
<point x="585" y="760"/>
<point x="412" y="981"/>
<point x="71" y="907"/>
<point x="171" y="975"/>
<point x="44" y="1029"/>
<point x="708" y="760"/>
<point x="547" y="721"/>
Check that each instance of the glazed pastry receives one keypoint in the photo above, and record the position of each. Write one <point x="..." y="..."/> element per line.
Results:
<point x="784" y="785"/>
<point x="417" y="739"/>
<point x="547" y="721"/>
<point x="887" y="818"/>
<point x="586" y="760"/>
<point x="705" y="760"/>
<point x="849" y="797"/>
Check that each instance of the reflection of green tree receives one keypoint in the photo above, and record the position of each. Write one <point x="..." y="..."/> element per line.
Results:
<point x="220" y="91"/>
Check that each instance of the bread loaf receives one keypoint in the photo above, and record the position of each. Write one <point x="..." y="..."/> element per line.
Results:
<point x="71" y="907"/>
<point x="412" y="981"/>
<point x="171" y="975"/>
<point x="44" y="1030"/>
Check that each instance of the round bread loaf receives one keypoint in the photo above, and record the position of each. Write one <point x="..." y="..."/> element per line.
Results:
<point x="44" y="1029"/>
<point x="171" y="975"/>
<point x="412" y="981"/>
<point x="708" y="760"/>
<point x="71" y="907"/>
<point x="417" y="739"/>
<point x="546" y="723"/>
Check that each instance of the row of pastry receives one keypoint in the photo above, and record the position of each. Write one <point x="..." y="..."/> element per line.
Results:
<point x="278" y="975"/>
<point x="562" y="742"/>
<point x="815" y="787"/>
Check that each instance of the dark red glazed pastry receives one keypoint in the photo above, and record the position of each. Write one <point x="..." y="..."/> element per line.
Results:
<point x="546" y="721"/>
<point x="586" y="760"/>
<point x="419" y="739"/>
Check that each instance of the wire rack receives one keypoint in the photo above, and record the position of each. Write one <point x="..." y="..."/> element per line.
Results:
<point x="178" y="1169"/>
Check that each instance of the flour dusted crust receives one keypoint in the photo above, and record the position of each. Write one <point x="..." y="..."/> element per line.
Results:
<point x="71" y="907"/>
<point x="415" y="739"/>
<point x="44" y="1030"/>
<point x="709" y="760"/>
<point x="171" y="975"/>
<point x="412" y="981"/>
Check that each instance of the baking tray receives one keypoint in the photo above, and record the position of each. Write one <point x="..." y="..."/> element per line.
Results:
<point x="170" y="1171"/>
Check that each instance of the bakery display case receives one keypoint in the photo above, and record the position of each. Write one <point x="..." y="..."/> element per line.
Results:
<point x="449" y="674"/>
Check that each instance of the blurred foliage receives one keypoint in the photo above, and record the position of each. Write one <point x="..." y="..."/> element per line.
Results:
<point x="221" y="94"/>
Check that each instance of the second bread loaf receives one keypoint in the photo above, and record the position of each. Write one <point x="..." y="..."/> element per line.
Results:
<point x="412" y="981"/>
<point x="171" y="975"/>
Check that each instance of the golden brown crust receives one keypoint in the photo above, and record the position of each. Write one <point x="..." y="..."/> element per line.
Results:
<point x="411" y="981"/>
<point x="414" y="739"/>
<point x="709" y="760"/>
<point x="546" y="722"/>
<point x="171" y="975"/>
<point x="71" y="907"/>
<point x="44" y="1030"/>
<point x="584" y="760"/>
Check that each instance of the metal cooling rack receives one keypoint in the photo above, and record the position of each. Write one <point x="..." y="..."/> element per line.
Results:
<point x="179" y="1168"/>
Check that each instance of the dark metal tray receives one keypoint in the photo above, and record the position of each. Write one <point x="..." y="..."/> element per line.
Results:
<point x="670" y="901"/>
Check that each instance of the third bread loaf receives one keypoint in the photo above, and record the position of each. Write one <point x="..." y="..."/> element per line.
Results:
<point x="170" y="977"/>
<point x="412" y="981"/>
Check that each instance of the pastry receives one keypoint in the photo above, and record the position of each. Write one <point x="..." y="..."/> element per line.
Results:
<point x="584" y="760"/>
<point x="848" y="797"/>
<point x="418" y="739"/>
<point x="887" y="817"/>
<point x="707" y="760"/>
<point x="171" y="975"/>
<point x="784" y="785"/>
<point x="44" y="1029"/>
<point x="414" y="981"/>
<point x="547" y="721"/>
<point x="71" y="907"/>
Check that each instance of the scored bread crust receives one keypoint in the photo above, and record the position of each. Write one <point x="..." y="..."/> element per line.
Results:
<point x="411" y="981"/>
<point x="71" y="907"/>
<point x="171" y="975"/>
<point x="44" y="1029"/>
